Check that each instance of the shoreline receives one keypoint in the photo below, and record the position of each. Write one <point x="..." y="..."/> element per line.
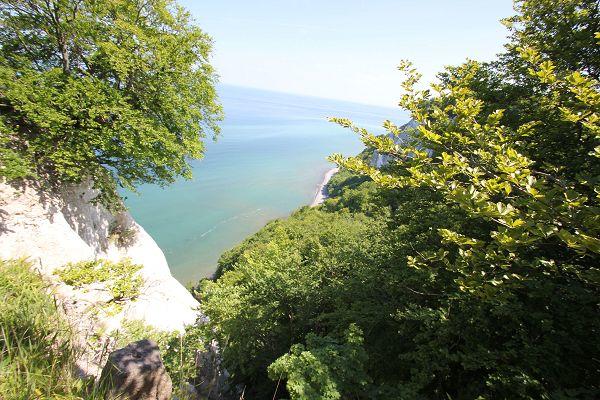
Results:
<point x="321" y="193"/>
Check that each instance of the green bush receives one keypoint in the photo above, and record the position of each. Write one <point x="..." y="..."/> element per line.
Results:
<point x="324" y="369"/>
<point x="120" y="278"/>
<point x="320" y="271"/>
<point x="37" y="355"/>
<point x="37" y="358"/>
<point x="515" y="145"/>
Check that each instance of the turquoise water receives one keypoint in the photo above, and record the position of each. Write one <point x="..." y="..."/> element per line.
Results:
<point x="268" y="161"/>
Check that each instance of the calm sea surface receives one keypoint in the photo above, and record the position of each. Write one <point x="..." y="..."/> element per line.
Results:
<point x="269" y="160"/>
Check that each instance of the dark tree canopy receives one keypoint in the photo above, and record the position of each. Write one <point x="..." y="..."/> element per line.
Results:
<point x="118" y="91"/>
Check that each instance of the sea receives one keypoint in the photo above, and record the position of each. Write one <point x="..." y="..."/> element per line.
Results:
<point x="269" y="159"/>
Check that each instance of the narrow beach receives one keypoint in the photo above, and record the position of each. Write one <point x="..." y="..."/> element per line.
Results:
<point x="321" y="194"/>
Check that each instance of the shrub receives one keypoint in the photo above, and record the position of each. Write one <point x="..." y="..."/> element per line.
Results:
<point x="474" y="274"/>
<point x="324" y="369"/>
<point x="120" y="278"/>
<point x="37" y="355"/>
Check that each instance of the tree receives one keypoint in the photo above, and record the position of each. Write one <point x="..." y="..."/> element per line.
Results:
<point x="121" y="92"/>
<point x="280" y="285"/>
<point x="523" y="294"/>
<point x="469" y="264"/>
<point x="324" y="369"/>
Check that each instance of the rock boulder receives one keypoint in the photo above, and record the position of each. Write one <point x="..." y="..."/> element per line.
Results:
<point x="136" y="372"/>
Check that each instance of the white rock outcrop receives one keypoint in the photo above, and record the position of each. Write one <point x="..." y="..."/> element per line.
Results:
<point x="380" y="160"/>
<point x="53" y="229"/>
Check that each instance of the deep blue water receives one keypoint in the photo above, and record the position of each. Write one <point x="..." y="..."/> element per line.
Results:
<point x="268" y="161"/>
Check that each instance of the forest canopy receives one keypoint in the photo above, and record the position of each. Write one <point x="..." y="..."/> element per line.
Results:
<point x="466" y="268"/>
<point x="120" y="92"/>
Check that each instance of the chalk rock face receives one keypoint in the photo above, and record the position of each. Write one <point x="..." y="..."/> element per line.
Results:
<point x="136" y="372"/>
<point x="52" y="229"/>
<point x="379" y="160"/>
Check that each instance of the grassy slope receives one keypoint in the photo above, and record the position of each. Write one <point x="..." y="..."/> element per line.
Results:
<point x="36" y="352"/>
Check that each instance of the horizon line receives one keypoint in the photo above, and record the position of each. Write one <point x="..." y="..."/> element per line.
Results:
<point x="396" y="108"/>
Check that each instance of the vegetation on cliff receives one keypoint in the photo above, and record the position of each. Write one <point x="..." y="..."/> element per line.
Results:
<point x="121" y="279"/>
<point x="113" y="92"/>
<point x="117" y="91"/>
<point x="37" y="356"/>
<point x="465" y="271"/>
<point x="39" y="349"/>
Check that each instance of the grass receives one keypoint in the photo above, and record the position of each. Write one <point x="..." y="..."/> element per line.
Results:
<point x="37" y="355"/>
<point x="36" y="351"/>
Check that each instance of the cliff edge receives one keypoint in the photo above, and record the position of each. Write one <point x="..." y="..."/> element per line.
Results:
<point x="52" y="229"/>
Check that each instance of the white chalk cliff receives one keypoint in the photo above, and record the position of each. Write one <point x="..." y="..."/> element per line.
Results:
<point x="53" y="229"/>
<point x="379" y="160"/>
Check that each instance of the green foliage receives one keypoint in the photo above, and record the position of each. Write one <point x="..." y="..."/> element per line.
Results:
<point x="178" y="351"/>
<point x="535" y="273"/>
<point x="117" y="91"/>
<point x="318" y="272"/>
<point x="37" y="356"/>
<point x="12" y="164"/>
<point x="278" y="285"/>
<point x="36" y="352"/>
<point x="353" y="193"/>
<point x="120" y="279"/>
<point x="342" y="181"/>
<point x="562" y="31"/>
<point x="470" y="262"/>
<point x="324" y="369"/>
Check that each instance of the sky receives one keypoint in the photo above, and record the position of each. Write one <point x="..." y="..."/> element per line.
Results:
<point x="346" y="49"/>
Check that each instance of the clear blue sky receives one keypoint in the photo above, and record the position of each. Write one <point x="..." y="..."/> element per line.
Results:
<point x="345" y="49"/>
